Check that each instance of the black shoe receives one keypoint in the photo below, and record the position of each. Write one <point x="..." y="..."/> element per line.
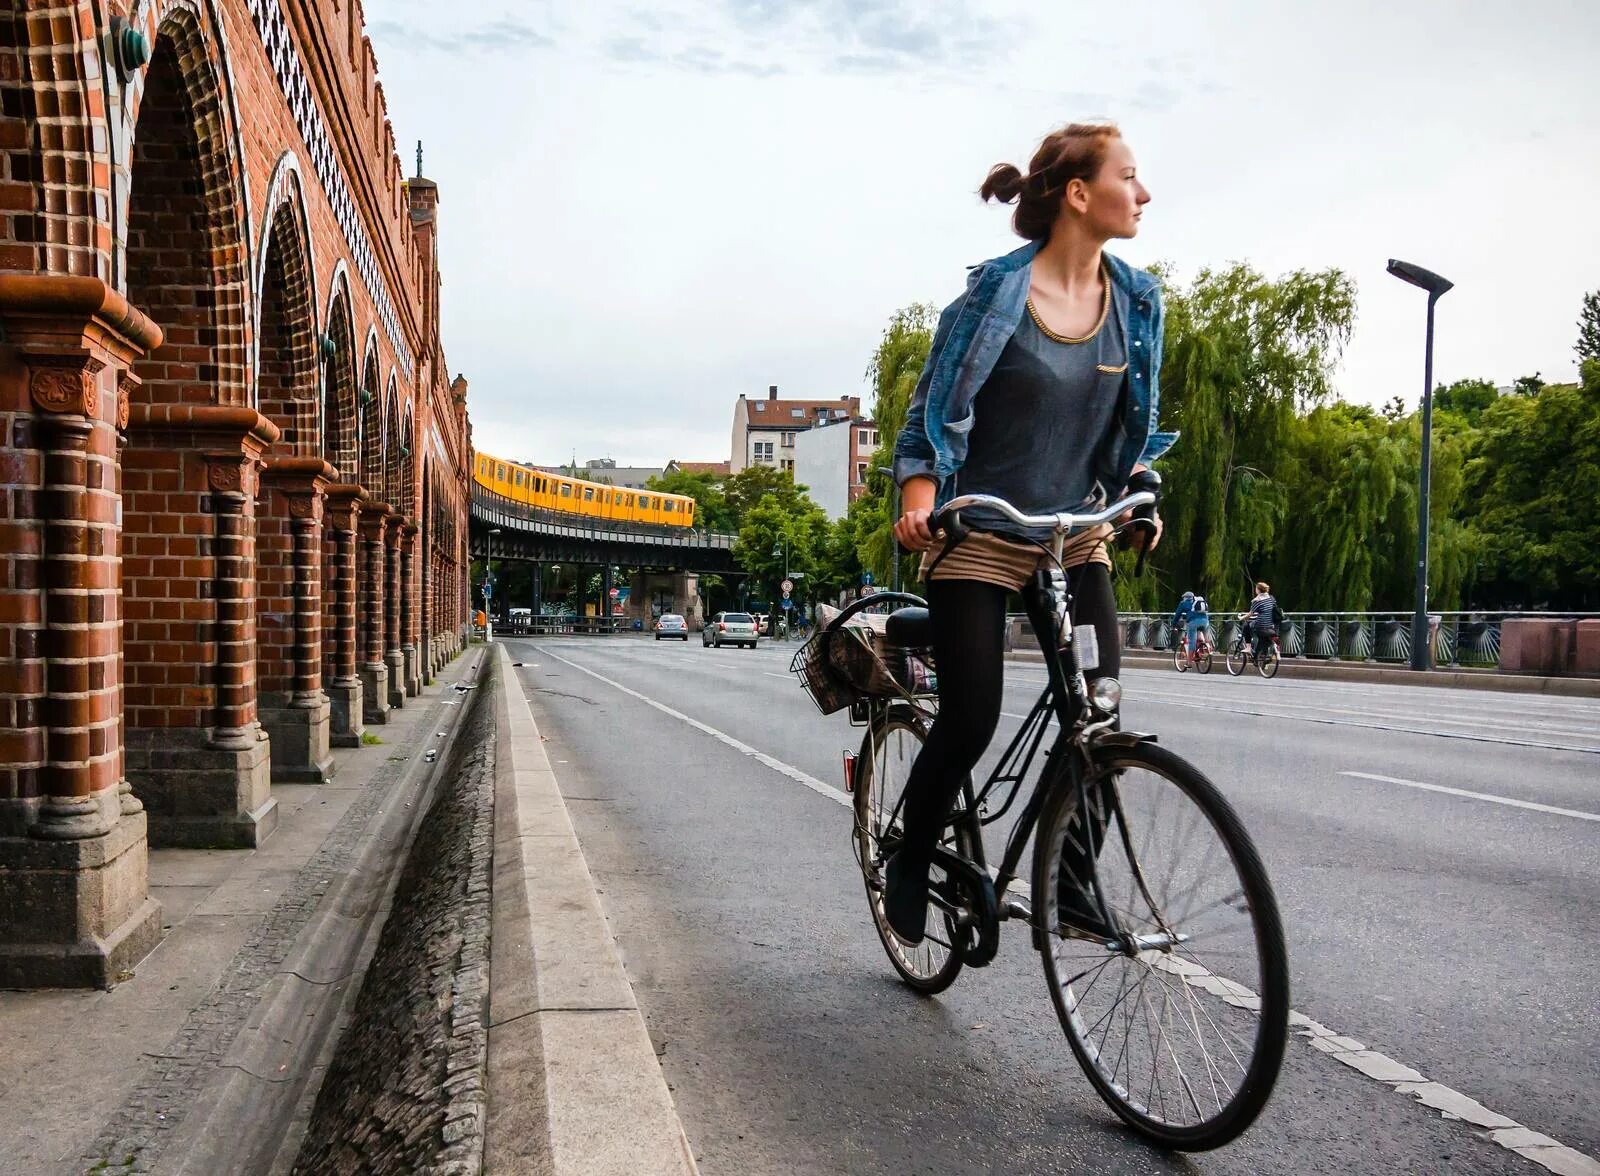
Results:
<point x="905" y="896"/>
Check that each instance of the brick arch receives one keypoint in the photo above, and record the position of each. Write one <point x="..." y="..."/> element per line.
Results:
<point x="186" y="254"/>
<point x="52" y="120"/>
<point x="341" y="409"/>
<point x="372" y="475"/>
<point x="393" y="490"/>
<point x="287" y="339"/>
<point x="408" y="466"/>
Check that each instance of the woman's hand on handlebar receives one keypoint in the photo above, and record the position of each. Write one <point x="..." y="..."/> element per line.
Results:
<point x="916" y="507"/>
<point x="912" y="530"/>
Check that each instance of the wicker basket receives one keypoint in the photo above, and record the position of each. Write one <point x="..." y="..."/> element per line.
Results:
<point x="839" y="667"/>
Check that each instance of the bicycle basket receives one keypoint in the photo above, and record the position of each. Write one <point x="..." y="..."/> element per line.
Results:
<point x="827" y="689"/>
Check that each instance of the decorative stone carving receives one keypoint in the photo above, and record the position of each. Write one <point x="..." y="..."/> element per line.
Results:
<point x="67" y="387"/>
<point x="228" y="476"/>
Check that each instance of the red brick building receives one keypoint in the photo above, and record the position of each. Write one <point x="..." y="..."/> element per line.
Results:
<point x="233" y="496"/>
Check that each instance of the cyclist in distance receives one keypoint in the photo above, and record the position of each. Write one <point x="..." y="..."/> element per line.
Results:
<point x="1192" y="615"/>
<point x="1263" y="619"/>
<point x="1040" y="388"/>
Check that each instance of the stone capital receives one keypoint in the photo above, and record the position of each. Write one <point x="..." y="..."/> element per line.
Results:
<point x="65" y="383"/>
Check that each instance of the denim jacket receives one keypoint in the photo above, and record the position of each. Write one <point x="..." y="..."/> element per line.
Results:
<point x="974" y="330"/>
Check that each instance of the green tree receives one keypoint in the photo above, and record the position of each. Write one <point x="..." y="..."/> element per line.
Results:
<point x="750" y="487"/>
<point x="1588" y="346"/>
<point x="775" y="537"/>
<point x="1465" y="398"/>
<point x="1531" y="496"/>
<point x="712" y="511"/>
<point x="893" y="372"/>
<point x="1244" y="354"/>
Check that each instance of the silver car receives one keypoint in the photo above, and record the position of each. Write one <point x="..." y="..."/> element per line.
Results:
<point x="672" y="625"/>
<point x="730" y="628"/>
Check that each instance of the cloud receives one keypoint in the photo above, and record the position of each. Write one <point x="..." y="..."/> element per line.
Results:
<point x="496" y="36"/>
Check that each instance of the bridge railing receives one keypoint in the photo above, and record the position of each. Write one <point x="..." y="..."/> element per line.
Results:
<point x="1463" y="639"/>
<point x="506" y="512"/>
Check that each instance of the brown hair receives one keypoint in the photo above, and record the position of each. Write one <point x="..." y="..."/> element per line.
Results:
<point x="1075" y="152"/>
<point x="1263" y="586"/>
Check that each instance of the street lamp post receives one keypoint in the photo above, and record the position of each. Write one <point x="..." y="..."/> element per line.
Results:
<point x="488" y="581"/>
<point x="1421" y="653"/>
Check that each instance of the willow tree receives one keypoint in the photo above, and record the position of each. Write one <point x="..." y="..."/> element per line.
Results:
<point x="1244" y="355"/>
<point x="896" y="365"/>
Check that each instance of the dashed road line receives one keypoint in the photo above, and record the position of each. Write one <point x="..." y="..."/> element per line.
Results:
<point x="1470" y="795"/>
<point x="1506" y="1132"/>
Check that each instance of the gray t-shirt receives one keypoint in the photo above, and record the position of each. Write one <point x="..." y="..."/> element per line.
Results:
<point x="1042" y="422"/>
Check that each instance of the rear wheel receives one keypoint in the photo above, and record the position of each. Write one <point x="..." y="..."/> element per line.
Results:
<point x="1267" y="660"/>
<point x="882" y="769"/>
<point x="1181" y="1023"/>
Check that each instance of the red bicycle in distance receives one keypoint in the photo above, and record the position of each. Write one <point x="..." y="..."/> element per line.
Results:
<point x="1199" y="657"/>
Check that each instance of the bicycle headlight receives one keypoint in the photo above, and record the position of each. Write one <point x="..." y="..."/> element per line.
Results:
<point x="1106" y="694"/>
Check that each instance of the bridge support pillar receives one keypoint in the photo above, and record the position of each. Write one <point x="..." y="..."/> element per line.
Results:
<point x="343" y="683"/>
<point x="296" y="714"/>
<point x="408" y="620"/>
<point x="393" y="657"/>
<point x="374" y="670"/>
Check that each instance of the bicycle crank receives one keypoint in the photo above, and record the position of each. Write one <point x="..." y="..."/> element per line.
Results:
<point x="967" y="895"/>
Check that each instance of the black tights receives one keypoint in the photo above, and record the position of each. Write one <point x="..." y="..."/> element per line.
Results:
<point x="969" y="619"/>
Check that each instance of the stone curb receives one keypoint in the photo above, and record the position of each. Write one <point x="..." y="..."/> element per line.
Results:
<point x="1382" y="675"/>
<point x="253" y="1115"/>
<point x="575" y="1088"/>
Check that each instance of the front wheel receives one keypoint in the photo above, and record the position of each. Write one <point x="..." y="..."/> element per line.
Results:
<point x="1178" y="1007"/>
<point x="1180" y="658"/>
<point x="889" y="749"/>
<point x="1236" y="658"/>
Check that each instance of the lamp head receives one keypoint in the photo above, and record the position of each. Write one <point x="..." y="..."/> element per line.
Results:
<point x="1419" y="277"/>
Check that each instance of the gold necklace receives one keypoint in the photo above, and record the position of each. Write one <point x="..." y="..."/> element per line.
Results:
<point x="1105" y="307"/>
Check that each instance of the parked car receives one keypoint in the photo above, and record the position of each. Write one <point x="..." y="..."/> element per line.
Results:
<point x="729" y="628"/>
<point x="672" y="625"/>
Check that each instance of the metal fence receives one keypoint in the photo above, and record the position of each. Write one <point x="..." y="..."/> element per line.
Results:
<point x="1470" y="639"/>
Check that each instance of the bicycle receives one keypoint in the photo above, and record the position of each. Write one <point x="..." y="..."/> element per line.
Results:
<point x="1262" y="652"/>
<point x="1148" y="952"/>
<point x="1199" y="657"/>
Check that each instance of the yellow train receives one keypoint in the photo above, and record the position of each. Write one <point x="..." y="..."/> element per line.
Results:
<point x="595" y="500"/>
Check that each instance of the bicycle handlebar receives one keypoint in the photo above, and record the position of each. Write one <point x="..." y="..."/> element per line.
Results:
<point x="856" y="606"/>
<point x="1063" y="521"/>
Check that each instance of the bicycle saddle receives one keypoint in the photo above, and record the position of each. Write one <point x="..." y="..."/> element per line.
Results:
<point x="909" y="626"/>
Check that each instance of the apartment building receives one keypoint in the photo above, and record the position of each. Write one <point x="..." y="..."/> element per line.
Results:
<point x="765" y="431"/>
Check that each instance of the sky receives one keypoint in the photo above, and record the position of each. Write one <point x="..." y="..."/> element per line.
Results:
<point x="648" y="210"/>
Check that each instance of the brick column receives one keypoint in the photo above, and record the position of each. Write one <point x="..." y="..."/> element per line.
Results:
<point x="374" y="670"/>
<point x="294" y="710"/>
<point x="408" y="609"/>
<point x="342" y="680"/>
<point x="74" y="898"/>
<point x="393" y="656"/>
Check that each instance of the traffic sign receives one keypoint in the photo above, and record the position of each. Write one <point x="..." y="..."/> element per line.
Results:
<point x="488" y="589"/>
<point x="866" y="577"/>
<point x="787" y="603"/>
<point x="787" y="586"/>
<point x="786" y="594"/>
<point x="615" y="592"/>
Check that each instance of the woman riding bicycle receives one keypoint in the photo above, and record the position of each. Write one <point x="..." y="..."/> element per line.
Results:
<point x="1040" y="388"/>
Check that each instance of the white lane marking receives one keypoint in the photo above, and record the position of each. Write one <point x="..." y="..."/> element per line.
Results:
<point x="1541" y="1149"/>
<point x="1402" y="1079"/>
<point x="776" y="765"/>
<point x="1473" y="736"/>
<point x="770" y="674"/>
<point x="1492" y="799"/>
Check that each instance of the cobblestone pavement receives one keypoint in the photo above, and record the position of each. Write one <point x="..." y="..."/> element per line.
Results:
<point x="405" y="1092"/>
<point x="137" y="1133"/>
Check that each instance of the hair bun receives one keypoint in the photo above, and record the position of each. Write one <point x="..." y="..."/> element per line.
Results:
<point x="1004" y="183"/>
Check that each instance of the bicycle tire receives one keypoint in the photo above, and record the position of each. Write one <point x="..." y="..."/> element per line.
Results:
<point x="1180" y="659"/>
<point x="1220" y="993"/>
<point x="938" y="974"/>
<point x="1236" y="658"/>
<point x="1267" y="665"/>
<point x="1204" y="664"/>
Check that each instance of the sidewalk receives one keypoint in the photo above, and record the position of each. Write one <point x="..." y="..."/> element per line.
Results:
<point x="211" y="1046"/>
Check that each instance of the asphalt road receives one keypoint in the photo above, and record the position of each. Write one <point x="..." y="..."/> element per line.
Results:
<point x="1453" y="933"/>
